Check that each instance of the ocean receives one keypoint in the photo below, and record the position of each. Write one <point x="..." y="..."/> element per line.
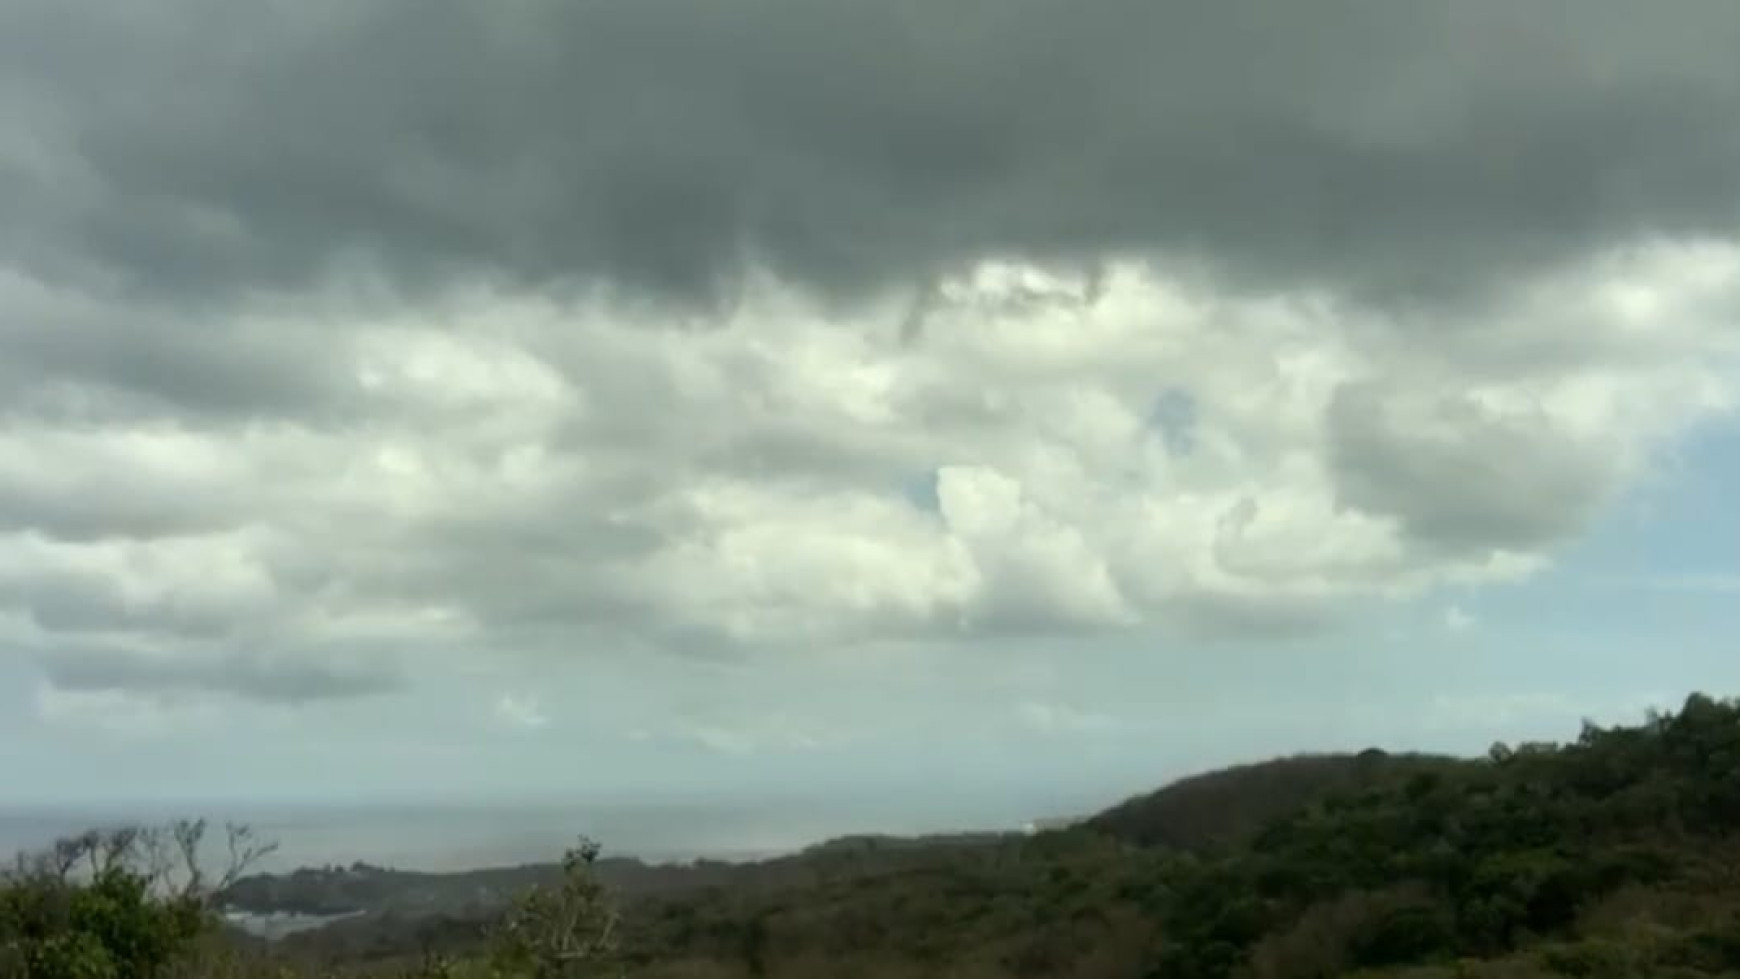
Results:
<point x="451" y="838"/>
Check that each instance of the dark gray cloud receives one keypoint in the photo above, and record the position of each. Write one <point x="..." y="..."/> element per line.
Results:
<point x="1456" y="475"/>
<point x="134" y="369"/>
<point x="1397" y="149"/>
<point x="74" y="357"/>
<point x="284" y="679"/>
<point x="90" y="507"/>
<point x="284" y="395"/>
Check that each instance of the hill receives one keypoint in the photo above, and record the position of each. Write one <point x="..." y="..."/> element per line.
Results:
<point x="1615" y="854"/>
<point x="1228" y="806"/>
<point x="1211" y="809"/>
<point x="363" y="889"/>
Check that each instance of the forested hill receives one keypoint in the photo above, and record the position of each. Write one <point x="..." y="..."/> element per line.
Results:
<point x="1614" y="854"/>
<point x="1229" y="805"/>
<point x="1213" y="809"/>
<point x="377" y="891"/>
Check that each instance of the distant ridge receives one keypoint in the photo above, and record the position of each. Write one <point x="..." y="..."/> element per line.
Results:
<point x="1227" y="806"/>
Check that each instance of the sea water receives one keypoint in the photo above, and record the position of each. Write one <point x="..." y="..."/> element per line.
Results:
<point x="453" y="838"/>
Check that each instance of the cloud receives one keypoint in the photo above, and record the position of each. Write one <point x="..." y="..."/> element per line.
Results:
<point x="1392" y="150"/>
<point x="1445" y="465"/>
<point x="444" y="332"/>
<point x="520" y="712"/>
<point x="1055" y="719"/>
<point x="1458" y="620"/>
<point x="775" y="732"/>
<point x="303" y="676"/>
<point x="114" y="712"/>
<point x="521" y="476"/>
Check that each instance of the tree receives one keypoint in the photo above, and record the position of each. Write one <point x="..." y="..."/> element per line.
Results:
<point x="566" y="931"/>
<point x="114" y="904"/>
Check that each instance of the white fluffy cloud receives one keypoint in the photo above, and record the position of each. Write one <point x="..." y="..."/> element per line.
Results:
<point x="492" y="474"/>
<point x="520" y="712"/>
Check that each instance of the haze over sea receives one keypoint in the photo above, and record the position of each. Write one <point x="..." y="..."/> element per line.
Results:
<point x="455" y="837"/>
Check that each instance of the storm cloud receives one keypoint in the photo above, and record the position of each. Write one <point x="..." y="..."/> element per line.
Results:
<point x="336" y="339"/>
<point x="1407" y="151"/>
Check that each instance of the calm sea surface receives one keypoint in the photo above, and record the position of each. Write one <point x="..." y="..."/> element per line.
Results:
<point x="450" y="838"/>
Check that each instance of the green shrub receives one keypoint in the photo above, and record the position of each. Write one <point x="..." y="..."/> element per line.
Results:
<point x="568" y="931"/>
<point x="108" y="927"/>
<point x="1405" y="934"/>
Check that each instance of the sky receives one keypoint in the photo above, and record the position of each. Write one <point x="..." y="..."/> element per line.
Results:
<point x="964" y="412"/>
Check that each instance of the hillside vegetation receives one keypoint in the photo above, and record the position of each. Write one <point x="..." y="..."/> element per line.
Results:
<point x="1230" y="805"/>
<point x="1615" y="854"/>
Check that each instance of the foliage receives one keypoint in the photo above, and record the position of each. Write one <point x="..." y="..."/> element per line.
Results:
<point x="1391" y="863"/>
<point x="1228" y="806"/>
<point x="1617" y="854"/>
<point x="1513" y="850"/>
<point x="108" y="927"/>
<point x="568" y="931"/>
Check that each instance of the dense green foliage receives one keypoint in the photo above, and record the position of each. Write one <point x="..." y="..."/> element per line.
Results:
<point x="1476" y="860"/>
<point x="1611" y="855"/>
<point x="1617" y="854"/>
<point x="108" y="927"/>
<point x="1231" y="805"/>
